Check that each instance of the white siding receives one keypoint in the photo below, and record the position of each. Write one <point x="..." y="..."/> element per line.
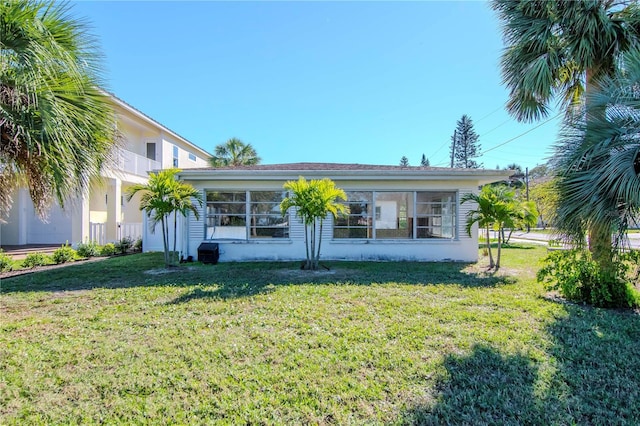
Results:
<point x="296" y="226"/>
<point x="463" y="209"/>
<point x="196" y="228"/>
<point x="462" y="248"/>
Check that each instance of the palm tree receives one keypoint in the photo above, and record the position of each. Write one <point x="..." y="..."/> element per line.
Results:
<point x="314" y="200"/>
<point x="483" y="215"/>
<point x="162" y="196"/>
<point x="56" y="126"/>
<point x="498" y="208"/>
<point x="611" y="144"/>
<point x="234" y="153"/>
<point x="564" y="50"/>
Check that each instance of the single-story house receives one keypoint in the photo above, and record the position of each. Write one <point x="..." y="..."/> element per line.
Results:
<point x="396" y="212"/>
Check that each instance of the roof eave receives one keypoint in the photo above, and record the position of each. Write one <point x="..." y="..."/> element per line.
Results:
<point x="481" y="176"/>
<point x="148" y="119"/>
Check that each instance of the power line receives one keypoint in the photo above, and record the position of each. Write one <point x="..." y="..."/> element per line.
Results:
<point x="497" y="127"/>
<point x="491" y="113"/>
<point x="521" y="134"/>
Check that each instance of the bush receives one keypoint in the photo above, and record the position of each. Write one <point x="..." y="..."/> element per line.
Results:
<point x="108" y="249"/>
<point x="35" y="259"/>
<point x="579" y="278"/>
<point x="124" y="245"/>
<point x="64" y="254"/>
<point x="6" y="262"/>
<point x="88" y="249"/>
<point x="137" y="245"/>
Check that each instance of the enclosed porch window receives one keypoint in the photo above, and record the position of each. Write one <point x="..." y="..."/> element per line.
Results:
<point x="242" y="215"/>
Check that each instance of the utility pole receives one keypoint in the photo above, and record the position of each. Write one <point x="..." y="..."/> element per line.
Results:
<point x="453" y="146"/>
<point x="526" y="182"/>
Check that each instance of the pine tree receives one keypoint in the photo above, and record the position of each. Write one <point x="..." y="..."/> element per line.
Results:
<point x="404" y="161"/>
<point x="425" y="161"/>
<point x="464" y="145"/>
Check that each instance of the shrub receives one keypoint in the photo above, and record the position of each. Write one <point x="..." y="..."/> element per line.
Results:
<point x="108" y="249"/>
<point x="124" y="245"/>
<point x="64" y="254"/>
<point x="579" y="278"/>
<point x="35" y="259"/>
<point x="88" y="249"/>
<point x="6" y="262"/>
<point x="137" y="245"/>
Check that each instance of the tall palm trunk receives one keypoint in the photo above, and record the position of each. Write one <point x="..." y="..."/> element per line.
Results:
<point x="313" y="245"/>
<point x="317" y="259"/>
<point x="599" y="234"/>
<point x="165" y="242"/>
<point x="499" y="248"/>
<point x="306" y="245"/>
<point x="491" y="264"/>
<point x="175" y="237"/>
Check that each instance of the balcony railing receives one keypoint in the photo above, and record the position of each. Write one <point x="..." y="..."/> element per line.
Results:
<point x="136" y="164"/>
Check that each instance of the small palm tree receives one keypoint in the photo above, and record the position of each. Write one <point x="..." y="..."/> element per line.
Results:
<point x="162" y="196"/>
<point x="56" y="125"/>
<point x="234" y="153"/>
<point x="483" y="215"/>
<point x="314" y="200"/>
<point x="498" y="208"/>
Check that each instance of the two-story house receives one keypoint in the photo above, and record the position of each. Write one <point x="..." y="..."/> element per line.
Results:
<point x="104" y="214"/>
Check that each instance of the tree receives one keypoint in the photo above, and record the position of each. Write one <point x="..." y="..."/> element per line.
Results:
<point x="314" y="200"/>
<point x="497" y="208"/>
<point x="56" y="125"/>
<point x="564" y="50"/>
<point x="540" y="171"/>
<point x="425" y="161"/>
<point x="483" y="215"/>
<point x="464" y="145"/>
<point x="517" y="179"/>
<point x="163" y="196"/>
<point x="544" y="194"/>
<point x="598" y="159"/>
<point x="234" y="153"/>
<point x="404" y="161"/>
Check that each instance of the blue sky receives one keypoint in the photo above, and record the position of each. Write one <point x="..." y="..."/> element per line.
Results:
<point x="352" y="82"/>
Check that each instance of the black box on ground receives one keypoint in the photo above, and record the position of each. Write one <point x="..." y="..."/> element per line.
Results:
<point x="208" y="253"/>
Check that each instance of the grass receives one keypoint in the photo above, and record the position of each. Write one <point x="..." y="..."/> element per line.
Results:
<point x="124" y="341"/>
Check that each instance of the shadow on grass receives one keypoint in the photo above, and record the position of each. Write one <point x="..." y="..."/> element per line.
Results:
<point x="481" y="388"/>
<point x="231" y="280"/>
<point x="598" y="373"/>
<point x="591" y="375"/>
<point x="234" y="280"/>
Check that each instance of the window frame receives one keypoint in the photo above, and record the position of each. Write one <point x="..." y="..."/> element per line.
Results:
<point x="176" y="156"/>
<point x="247" y="215"/>
<point x="413" y="215"/>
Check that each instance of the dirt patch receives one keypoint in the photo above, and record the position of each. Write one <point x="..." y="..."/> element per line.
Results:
<point x="164" y="271"/>
<point x="302" y="273"/>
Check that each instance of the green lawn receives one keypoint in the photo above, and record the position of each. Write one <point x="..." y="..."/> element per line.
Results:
<point x="119" y="341"/>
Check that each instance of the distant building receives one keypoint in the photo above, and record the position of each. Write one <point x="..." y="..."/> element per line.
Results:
<point x="104" y="214"/>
